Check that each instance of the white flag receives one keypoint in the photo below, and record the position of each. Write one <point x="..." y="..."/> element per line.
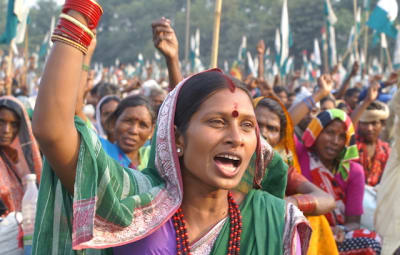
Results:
<point x="331" y="15"/>
<point x="396" y="57"/>
<point x="332" y="45"/>
<point x="317" y="53"/>
<point x="21" y="10"/>
<point x="277" y="41"/>
<point x="284" y="53"/>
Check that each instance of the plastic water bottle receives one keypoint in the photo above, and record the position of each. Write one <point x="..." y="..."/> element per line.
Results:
<point x="29" y="212"/>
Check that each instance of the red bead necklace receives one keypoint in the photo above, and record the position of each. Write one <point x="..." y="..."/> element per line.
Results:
<point x="182" y="240"/>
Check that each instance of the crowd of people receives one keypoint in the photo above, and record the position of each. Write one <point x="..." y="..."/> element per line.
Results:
<point x="201" y="163"/>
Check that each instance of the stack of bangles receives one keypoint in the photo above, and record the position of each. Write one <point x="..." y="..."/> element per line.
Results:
<point x="71" y="31"/>
<point x="306" y="203"/>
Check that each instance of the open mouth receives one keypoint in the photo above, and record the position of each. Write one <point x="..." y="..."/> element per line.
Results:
<point x="228" y="163"/>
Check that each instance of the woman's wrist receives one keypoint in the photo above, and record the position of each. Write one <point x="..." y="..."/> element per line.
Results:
<point x="306" y="203"/>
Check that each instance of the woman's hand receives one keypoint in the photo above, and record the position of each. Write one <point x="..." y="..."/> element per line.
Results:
<point x="164" y="38"/>
<point x="325" y="84"/>
<point x="338" y="233"/>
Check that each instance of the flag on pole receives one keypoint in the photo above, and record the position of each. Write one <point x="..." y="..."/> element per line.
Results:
<point x="251" y="65"/>
<point x="317" y="53"/>
<point x="289" y="66"/>
<point x="383" y="16"/>
<point x="396" y="57"/>
<point x="285" y="40"/>
<point x="330" y="15"/>
<point x="242" y="50"/>
<point x="358" y="20"/>
<point x="11" y="24"/>
<point x="21" y="10"/>
<point x="332" y="46"/>
<point x="278" y="45"/>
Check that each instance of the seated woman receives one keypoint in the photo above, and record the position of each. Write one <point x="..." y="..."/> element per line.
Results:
<point x="276" y="127"/>
<point x="104" y="109"/>
<point x="19" y="153"/>
<point x="131" y="125"/>
<point x="206" y="135"/>
<point x="326" y="159"/>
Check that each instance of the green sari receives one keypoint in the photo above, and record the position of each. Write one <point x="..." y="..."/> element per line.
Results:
<point x="113" y="206"/>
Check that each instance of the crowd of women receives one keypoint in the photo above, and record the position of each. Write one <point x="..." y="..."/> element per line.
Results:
<point x="214" y="164"/>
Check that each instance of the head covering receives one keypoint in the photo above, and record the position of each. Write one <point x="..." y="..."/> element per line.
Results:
<point x="106" y="215"/>
<point x="370" y="115"/>
<point x="20" y="158"/>
<point x="317" y="125"/>
<point x="286" y="142"/>
<point x="99" y="126"/>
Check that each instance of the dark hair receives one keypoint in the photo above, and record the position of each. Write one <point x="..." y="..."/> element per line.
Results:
<point x="352" y="91"/>
<point x="196" y="90"/>
<point x="280" y="89"/>
<point x="328" y="98"/>
<point x="109" y="99"/>
<point x="104" y="89"/>
<point x="375" y="106"/>
<point x="131" y="101"/>
<point x="276" y="108"/>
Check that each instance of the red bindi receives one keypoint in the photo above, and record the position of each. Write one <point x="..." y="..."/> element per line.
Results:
<point x="235" y="114"/>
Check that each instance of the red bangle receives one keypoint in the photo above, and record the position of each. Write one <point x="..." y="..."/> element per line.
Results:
<point x="306" y="203"/>
<point x="90" y="9"/>
<point x="76" y="30"/>
<point x="65" y="32"/>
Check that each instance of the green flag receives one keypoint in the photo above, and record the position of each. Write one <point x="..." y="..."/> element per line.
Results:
<point x="11" y="24"/>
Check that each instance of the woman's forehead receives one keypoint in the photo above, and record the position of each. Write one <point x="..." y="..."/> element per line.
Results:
<point x="225" y="99"/>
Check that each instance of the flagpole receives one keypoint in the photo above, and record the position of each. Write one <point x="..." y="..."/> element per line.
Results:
<point x="326" y="61"/>
<point x="355" y="25"/>
<point x="366" y="46"/>
<point x="215" y="43"/>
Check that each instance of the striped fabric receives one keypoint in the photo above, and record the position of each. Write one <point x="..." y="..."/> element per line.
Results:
<point x="350" y="152"/>
<point x="112" y="205"/>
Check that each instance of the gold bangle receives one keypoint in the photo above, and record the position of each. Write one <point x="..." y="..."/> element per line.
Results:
<point x="69" y="42"/>
<point x="78" y="23"/>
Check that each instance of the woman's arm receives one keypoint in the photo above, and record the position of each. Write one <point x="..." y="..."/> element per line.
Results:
<point x="373" y="92"/>
<point x="299" y="111"/>
<point x="298" y="184"/>
<point x="165" y="41"/>
<point x="83" y="88"/>
<point x="53" y="119"/>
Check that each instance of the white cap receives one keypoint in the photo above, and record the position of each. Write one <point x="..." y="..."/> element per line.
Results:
<point x="30" y="177"/>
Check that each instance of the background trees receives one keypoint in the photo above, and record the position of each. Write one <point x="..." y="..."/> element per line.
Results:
<point x="125" y="30"/>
